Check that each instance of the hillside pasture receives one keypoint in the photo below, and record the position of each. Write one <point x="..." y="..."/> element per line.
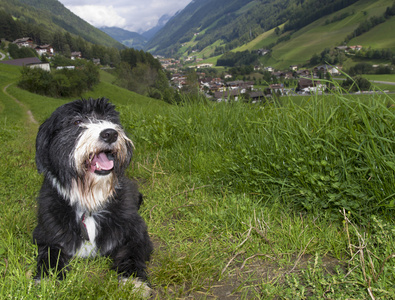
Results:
<point x="378" y="37"/>
<point x="315" y="37"/>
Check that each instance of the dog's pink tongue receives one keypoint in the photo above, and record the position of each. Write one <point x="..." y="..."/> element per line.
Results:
<point x="101" y="162"/>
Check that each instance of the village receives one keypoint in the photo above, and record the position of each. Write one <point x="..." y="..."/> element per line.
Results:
<point x="224" y="87"/>
<point x="221" y="87"/>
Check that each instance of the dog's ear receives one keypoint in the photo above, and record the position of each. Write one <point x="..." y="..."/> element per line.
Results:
<point x="43" y="140"/>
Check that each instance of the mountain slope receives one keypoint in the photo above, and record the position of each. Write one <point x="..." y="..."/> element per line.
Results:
<point x="292" y="42"/>
<point x="149" y="34"/>
<point x="322" y="33"/>
<point x="51" y="15"/>
<point x="127" y="38"/>
<point x="236" y="22"/>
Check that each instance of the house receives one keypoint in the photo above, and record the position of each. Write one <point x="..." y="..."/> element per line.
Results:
<point x="75" y="55"/>
<point x="278" y="74"/>
<point x="44" y="49"/>
<point x="204" y="66"/>
<point x="65" y="68"/>
<point x="305" y="83"/>
<point x="333" y="70"/>
<point x="263" y="51"/>
<point x="257" y="96"/>
<point x="235" y="84"/>
<point x="277" y="88"/>
<point x="24" y="42"/>
<point x="293" y="68"/>
<point x="227" y="95"/>
<point x="355" y="48"/>
<point x="269" y="69"/>
<point x="43" y="66"/>
<point x="303" y="73"/>
<point x="288" y="75"/>
<point x="343" y="48"/>
<point x="31" y="62"/>
<point x="309" y="86"/>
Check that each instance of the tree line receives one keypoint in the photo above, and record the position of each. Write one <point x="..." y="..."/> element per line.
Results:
<point x="235" y="59"/>
<point x="60" y="83"/>
<point x="367" y="25"/>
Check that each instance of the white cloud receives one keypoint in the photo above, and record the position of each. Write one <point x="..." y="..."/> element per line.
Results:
<point x="98" y="15"/>
<point x="133" y="15"/>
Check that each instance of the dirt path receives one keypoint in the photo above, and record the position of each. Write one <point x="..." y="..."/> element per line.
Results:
<point x="29" y="113"/>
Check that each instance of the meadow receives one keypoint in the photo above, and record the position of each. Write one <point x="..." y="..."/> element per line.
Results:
<point x="283" y="200"/>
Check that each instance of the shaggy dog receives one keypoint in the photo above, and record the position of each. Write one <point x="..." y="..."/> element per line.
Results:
<point x="87" y="207"/>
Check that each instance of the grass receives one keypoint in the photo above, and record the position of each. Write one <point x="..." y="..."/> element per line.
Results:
<point x="314" y="38"/>
<point x="225" y="205"/>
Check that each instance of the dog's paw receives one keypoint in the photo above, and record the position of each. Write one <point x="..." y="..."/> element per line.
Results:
<point x="140" y="287"/>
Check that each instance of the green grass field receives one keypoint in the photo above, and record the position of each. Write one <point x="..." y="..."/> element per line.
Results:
<point x="279" y="201"/>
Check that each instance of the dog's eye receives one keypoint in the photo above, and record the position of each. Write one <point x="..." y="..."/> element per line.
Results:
<point x="77" y="122"/>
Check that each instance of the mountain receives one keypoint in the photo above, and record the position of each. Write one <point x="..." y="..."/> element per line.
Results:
<point x="127" y="38"/>
<point x="292" y="29"/>
<point x="149" y="34"/>
<point x="49" y="16"/>
<point x="235" y="22"/>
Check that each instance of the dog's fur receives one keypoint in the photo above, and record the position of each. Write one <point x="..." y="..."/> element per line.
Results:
<point x="87" y="206"/>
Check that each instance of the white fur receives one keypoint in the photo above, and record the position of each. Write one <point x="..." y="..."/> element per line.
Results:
<point x="99" y="193"/>
<point x="88" y="248"/>
<point x="89" y="141"/>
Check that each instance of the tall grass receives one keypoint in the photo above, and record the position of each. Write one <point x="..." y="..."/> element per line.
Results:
<point x="327" y="153"/>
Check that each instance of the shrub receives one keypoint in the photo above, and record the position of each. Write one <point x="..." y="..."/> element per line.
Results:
<point x="60" y="83"/>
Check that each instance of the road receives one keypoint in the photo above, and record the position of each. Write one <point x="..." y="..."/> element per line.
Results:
<point x="383" y="82"/>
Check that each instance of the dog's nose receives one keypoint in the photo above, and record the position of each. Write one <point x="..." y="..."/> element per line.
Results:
<point x="109" y="135"/>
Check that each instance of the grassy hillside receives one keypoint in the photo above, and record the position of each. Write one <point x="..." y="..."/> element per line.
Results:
<point x="318" y="35"/>
<point x="242" y="202"/>
<point x="50" y="16"/>
<point x="235" y="22"/>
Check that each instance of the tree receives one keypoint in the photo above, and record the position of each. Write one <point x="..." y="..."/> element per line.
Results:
<point x="22" y="52"/>
<point x="357" y="83"/>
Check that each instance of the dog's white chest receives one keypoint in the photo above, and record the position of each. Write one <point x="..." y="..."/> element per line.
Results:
<point x="88" y="248"/>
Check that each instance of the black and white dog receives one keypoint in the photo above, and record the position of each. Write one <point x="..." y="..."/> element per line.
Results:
<point x="87" y="206"/>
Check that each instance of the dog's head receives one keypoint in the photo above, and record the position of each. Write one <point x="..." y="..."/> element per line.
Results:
<point x="83" y="150"/>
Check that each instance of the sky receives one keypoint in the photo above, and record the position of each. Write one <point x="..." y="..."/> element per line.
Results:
<point x="132" y="15"/>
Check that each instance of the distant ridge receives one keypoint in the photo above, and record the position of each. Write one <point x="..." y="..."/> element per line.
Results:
<point x="127" y="38"/>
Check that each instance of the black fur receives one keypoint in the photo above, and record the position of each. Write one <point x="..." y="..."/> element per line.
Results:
<point x="121" y="232"/>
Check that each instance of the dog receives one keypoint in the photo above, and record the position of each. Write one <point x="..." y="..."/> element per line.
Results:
<point x="86" y="205"/>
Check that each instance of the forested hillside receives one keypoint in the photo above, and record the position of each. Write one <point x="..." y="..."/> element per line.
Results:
<point x="40" y="18"/>
<point x="236" y="22"/>
<point x="127" y="38"/>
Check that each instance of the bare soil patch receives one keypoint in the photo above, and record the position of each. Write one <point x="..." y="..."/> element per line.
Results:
<point x="244" y="277"/>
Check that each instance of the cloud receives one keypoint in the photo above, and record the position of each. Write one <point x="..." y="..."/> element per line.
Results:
<point x="98" y="15"/>
<point x="133" y="15"/>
